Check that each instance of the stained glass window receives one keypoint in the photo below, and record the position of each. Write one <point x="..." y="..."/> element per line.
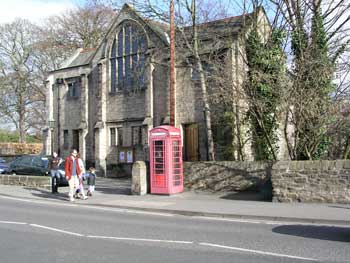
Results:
<point x="113" y="67"/>
<point x="128" y="58"/>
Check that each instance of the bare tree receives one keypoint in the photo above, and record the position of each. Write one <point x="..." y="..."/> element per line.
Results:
<point x="18" y="84"/>
<point x="28" y="52"/>
<point x="84" y="26"/>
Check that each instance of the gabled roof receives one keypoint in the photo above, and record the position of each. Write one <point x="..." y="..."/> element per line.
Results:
<point x="84" y="57"/>
<point x="81" y="57"/>
<point x="206" y="31"/>
<point x="223" y="27"/>
<point x="159" y="29"/>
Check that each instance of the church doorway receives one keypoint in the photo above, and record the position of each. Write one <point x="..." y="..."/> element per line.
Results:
<point x="191" y="149"/>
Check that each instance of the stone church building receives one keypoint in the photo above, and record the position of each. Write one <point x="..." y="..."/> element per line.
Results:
<point x="104" y="101"/>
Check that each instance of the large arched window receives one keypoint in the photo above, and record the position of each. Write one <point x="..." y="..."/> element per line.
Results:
<point x="128" y="55"/>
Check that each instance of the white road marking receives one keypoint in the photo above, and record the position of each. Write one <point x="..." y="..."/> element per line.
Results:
<point x="242" y="220"/>
<point x="142" y="239"/>
<point x="264" y="222"/>
<point x="123" y="210"/>
<point x="160" y="241"/>
<point x="148" y="213"/>
<point x="57" y="230"/>
<point x="17" y="199"/>
<point x="14" y="223"/>
<point x="257" y="251"/>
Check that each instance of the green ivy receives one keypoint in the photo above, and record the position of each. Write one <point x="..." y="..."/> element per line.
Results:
<point x="313" y="72"/>
<point x="266" y="70"/>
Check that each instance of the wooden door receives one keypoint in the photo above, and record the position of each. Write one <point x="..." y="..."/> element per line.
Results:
<point x="191" y="142"/>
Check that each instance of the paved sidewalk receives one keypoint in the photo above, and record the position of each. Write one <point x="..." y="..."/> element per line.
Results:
<point x="116" y="193"/>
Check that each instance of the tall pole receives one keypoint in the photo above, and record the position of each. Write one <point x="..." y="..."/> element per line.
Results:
<point x="172" y="64"/>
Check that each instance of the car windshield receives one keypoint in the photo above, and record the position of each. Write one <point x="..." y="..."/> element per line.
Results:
<point x="45" y="161"/>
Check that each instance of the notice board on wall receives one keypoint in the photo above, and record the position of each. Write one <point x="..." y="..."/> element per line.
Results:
<point x="126" y="155"/>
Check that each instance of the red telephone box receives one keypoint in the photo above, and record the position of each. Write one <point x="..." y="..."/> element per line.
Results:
<point x="166" y="160"/>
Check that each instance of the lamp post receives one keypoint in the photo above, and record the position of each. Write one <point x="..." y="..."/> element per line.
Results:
<point x="52" y="125"/>
<point x="172" y="64"/>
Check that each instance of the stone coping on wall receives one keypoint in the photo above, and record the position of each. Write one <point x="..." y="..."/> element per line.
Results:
<point x="311" y="181"/>
<point x="24" y="180"/>
<point x="312" y="165"/>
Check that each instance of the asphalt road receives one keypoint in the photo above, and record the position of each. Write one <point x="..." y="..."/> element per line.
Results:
<point x="34" y="231"/>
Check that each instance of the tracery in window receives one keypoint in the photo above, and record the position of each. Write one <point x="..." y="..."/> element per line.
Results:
<point x="128" y="56"/>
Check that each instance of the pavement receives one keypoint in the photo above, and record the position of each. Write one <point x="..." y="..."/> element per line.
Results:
<point x="116" y="193"/>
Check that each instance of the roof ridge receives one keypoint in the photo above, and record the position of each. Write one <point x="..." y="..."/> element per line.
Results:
<point x="88" y="49"/>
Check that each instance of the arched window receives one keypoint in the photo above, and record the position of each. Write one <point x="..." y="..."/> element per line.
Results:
<point x="128" y="56"/>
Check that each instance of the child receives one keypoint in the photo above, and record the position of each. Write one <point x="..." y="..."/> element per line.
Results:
<point x="91" y="181"/>
<point x="80" y="188"/>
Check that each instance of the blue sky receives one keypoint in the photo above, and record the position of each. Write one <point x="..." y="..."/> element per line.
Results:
<point x="33" y="10"/>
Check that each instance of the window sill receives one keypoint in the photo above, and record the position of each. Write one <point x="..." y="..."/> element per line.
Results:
<point x="122" y="92"/>
<point x="72" y="98"/>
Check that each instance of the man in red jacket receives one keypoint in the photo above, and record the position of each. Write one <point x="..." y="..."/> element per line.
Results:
<point x="72" y="171"/>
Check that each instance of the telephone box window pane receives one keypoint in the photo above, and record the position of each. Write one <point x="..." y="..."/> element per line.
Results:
<point x="159" y="157"/>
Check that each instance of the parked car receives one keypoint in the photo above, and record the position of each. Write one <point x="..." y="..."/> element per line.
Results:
<point x="3" y="166"/>
<point x="34" y="165"/>
<point x="63" y="180"/>
<point x="29" y="165"/>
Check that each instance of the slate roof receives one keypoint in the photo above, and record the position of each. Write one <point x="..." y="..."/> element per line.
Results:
<point x="83" y="58"/>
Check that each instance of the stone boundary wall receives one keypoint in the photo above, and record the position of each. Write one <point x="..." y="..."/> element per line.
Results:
<point x="20" y="148"/>
<point x="225" y="176"/>
<point x="23" y="180"/>
<point x="311" y="181"/>
<point x="292" y="181"/>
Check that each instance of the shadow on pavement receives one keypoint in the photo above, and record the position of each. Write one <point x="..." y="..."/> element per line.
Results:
<point x="245" y="196"/>
<point x="118" y="186"/>
<point x="332" y="233"/>
<point x="338" y="206"/>
<point x="46" y="194"/>
<point x="113" y="190"/>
